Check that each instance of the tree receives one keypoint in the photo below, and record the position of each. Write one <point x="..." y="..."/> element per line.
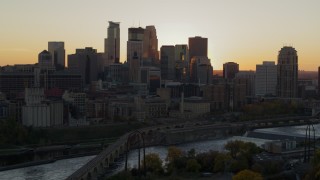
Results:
<point x="153" y="163"/>
<point x="234" y="147"/>
<point x="222" y="162"/>
<point x="193" y="165"/>
<point x="12" y="133"/>
<point x="173" y="154"/>
<point x="192" y="153"/>
<point x="247" y="174"/>
<point x="315" y="170"/>
<point x="242" y="149"/>
<point x="239" y="164"/>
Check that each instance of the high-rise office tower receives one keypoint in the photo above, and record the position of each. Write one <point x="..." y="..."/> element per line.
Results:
<point x="58" y="54"/>
<point x="287" y="73"/>
<point x="150" y="44"/>
<point x="85" y="61"/>
<point x="230" y="69"/>
<point x="112" y="43"/>
<point x="198" y="46"/>
<point x="266" y="79"/>
<point x="201" y="70"/>
<point x="248" y="78"/>
<point x="182" y="62"/>
<point x="135" y="52"/>
<point x="45" y="59"/>
<point x="167" y="62"/>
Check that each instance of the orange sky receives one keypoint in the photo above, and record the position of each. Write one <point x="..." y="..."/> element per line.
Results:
<point x="247" y="31"/>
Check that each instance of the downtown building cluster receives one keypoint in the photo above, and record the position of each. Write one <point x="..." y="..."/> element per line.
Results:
<point x="176" y="82"/>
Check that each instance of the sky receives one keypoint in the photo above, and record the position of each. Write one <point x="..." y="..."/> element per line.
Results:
<point x="243" y="31"/>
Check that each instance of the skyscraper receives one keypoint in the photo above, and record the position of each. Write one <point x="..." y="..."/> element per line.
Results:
<point x="182" y="62"/>
<point x="58" y="54"/>
<point x="287" y="73"/>
<point x="135" y="52"/>
<point x="167" y="63"/>
<point x="112" y="43"/>
<point x="198" y="46"/>
<point x="150" y="44"/>
<point x="85" y="61"/>
<point x="45" y="59"/>
<point x="201" y="70"/>
<point x="230" y="69"/>
<point x="266" y="79"/>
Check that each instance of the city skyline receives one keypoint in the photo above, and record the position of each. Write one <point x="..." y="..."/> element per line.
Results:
<point x="246" y="32"/>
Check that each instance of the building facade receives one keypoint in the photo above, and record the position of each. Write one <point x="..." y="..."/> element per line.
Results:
<point x="85" y="61"/>
<point x="201" y="70"/>
<point x="287" y="73"/>
<point x="198" y="46"/>
<point x="266" y="79"/>
<point x="182" y="63"/>
<point x="167" y="62"/>
<point x="230" y="69"/>
<point x="112" y="43"/>
<point x="58" y="54"/>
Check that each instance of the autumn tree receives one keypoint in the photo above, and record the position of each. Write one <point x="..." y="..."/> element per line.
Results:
<point x="173" y="154"/>
<point x="247" y="174"/>
<point x="153" y="163"/>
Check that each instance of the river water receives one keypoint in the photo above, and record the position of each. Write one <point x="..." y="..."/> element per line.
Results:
<point x="63" y="168"/>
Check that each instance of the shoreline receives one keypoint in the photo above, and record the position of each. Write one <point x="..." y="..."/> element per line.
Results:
<point x="47" y="161"/>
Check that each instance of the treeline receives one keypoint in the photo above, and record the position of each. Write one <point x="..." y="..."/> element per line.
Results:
<point x="270" y="109"/>
<point x="179" y="164"/>
<point x="13" y="133"/>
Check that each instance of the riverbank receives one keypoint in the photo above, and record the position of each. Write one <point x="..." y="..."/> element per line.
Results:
<point x="47" y="161"/>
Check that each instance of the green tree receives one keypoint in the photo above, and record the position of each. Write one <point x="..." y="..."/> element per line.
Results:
<point x="206" y="160"/>
<point x="242" y="149"/>
<point x="239" y="164"/>
<point x="193" y="165"/>
<point x="222" y="162"/>
<point x="234" y="147"/>
<point x="315" y="170"/>
<point x="192" y="153"/>
<point x="153" y="163"/>
<point x="247" y="174"/>
<point x="12" y="133"/>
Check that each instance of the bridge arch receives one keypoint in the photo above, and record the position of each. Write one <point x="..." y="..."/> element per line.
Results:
<point x="140" y="137"/>
<point x="111" y="158"/>
<point x="89" y="176"/>
<point x="106" y="162"/>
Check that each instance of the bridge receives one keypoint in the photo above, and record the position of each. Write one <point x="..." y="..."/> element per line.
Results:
<point x="175" y="134"/>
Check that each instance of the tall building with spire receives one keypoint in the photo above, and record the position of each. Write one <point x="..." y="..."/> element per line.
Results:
<point x="112" y="43"/>
<point x="287" y="73"/>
